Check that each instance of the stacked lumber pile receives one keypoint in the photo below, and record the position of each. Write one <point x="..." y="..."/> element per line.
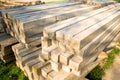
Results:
<point x="99" y="2"/>
<point x="26" y="58"/>
<point x="27" y="53"/>
<point x="72" y="48"/>
<point x="28" y="61"/>
<point x="96" y="2"/>
<point x="26" y="24"/>
<point x="6" y="43"/>
<point x="113" y="44"/>
<point x="6" y="4"/>
<point x="61" y="41"/>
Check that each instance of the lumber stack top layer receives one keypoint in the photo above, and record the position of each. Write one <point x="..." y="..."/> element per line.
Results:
<point x="34" y="8"/>
<point x="26" y="25"/>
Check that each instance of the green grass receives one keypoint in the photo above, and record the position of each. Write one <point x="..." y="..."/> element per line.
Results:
<point x="111" y="56"/>
<point x="99" y="71"/>
<point x="11" y="72"/>
<point x="96" y="73"/>
<point x="118" y="1"/>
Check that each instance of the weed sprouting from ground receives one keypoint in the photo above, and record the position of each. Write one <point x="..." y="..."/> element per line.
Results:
<point x="99" y="71"/>
<point x="11" y="72"/>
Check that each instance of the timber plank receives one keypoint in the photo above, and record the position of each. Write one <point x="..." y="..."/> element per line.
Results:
<point x="89" y="32"/>
<point x="32" y="55"/>
<point x="68" y="32"/>
<point x="36" y="69"/>
<point x="101" y="45"/>
<point x="75" y="62"/>
<point x="34" y="8"/>
<point x="46" y="20"/>
<point x="65" y="57"/>
<point x="46" y="53"/>
<point x="37" y="8"/>
<point x="55" y="55"/>
<point x="46" y="70"/>
<point x="56" y="66"/>
<point x="49" y="31"/>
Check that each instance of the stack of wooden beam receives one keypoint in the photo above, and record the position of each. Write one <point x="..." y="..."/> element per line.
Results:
<point x="61" y="54"/>
<point x="6" y="42"/>
<point x="28" y="9"/>
<point x="6" y="4"/>
<point x="73" y="37"/>
<point x="100" y="2"/>
<point x="26" y="24"/>
<point x="70" y="47"/>
<point x="113" y="44"/>
<point x="27" y="56"/>
<point x="28" y="60"/>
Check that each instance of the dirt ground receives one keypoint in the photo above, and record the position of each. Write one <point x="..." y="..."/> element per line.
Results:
<point x="114" y="72"/>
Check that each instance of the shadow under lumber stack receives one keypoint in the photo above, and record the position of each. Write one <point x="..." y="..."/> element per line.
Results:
<point x="1" y="27"/>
